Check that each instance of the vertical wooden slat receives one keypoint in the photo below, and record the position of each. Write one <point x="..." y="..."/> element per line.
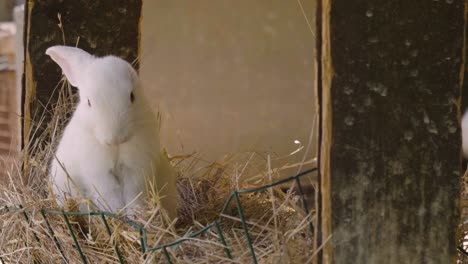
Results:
<point x="391" y="162"/>
<point x="326" y="136"/>
<point x="7" y="120"/>
<point x="8" y="113"/>
<point x="320" y="15"/>
<point x="7" y="129"/>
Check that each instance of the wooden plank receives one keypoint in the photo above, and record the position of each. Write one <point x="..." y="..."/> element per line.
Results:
<point x="390" y="151"/>
<point x="103" y="27"/>
<point x="8" y="115"/>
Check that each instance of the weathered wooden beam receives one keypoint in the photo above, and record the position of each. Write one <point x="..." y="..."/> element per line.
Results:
<point x="390" y="150"/>
<point x="100" y="27"/>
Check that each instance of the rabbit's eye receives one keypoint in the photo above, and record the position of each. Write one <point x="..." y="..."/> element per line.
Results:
<point x="89" y="103"/>
<point x="132" y="97"/>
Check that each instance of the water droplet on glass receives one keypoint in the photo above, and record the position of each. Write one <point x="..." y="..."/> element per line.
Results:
<point x="414" y="53"/>
<point x="432" y="128"/>
<point x="408" y="180"/>
<point x="348" y="90"/>
<point x="349" y="120"/>
<point x="409" y="135"/>
<point x="408" y="42"/>
<point x="426" y="118"/>
<point x="437" y="166"/>
<point x="405" y="62"/>
<point x="370" y="13"/>
<point x="373" y="39"/>
<point x="414" y="73"/>
<point x="378" y="88"/>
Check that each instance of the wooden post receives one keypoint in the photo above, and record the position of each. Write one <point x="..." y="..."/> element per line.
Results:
<point x="390" y="150"/>
<point x="100" y="27"/>
<point x="8" y="115"/>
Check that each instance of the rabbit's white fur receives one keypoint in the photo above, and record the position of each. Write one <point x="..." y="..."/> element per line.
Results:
<point x="110" y="150"/>
<point x="464" y="128"/>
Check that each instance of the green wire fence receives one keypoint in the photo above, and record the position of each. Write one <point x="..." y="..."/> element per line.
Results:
<point x="216" y="225"/>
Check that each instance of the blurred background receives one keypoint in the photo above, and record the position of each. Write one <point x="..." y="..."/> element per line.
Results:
<point x="228" y="76"/>
<point x="9" y="87"/>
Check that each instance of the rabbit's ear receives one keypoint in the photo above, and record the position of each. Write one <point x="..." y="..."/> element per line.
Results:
<point x="71" y="60"/>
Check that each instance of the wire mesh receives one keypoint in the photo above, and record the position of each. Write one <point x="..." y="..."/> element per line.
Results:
<point x="145" y="247"/>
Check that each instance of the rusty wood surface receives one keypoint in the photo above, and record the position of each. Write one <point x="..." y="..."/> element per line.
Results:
<point x="391" y="162"/>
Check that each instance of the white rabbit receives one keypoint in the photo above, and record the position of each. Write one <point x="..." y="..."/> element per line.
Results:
<point x="464" y="129"/>
<point x="110" y="150"/>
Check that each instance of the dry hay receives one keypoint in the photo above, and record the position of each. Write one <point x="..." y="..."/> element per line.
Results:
<point x="277" y="224"/>
<point x="463" y="229"/>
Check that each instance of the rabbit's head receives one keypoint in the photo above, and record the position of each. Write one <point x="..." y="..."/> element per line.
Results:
<point x="109" y="90"/>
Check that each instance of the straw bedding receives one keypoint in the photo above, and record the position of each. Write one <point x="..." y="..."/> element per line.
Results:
<point x="278" y="225"/>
